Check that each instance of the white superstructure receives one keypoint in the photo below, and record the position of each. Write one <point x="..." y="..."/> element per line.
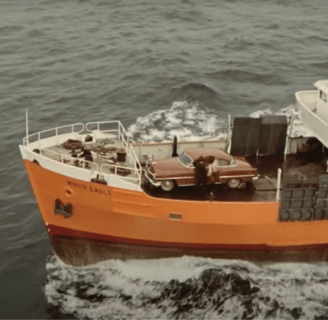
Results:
<point x="313" y="110"/>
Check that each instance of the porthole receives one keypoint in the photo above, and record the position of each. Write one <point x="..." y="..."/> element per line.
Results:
<point x="68" y="192"/>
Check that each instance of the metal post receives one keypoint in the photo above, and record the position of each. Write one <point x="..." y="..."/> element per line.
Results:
<point x="289" y="134"/>
<point x="229" y="122"/>
<point x="229" y="133"/>
<point x="278" y="184"/>
<point x="26" y="116"/>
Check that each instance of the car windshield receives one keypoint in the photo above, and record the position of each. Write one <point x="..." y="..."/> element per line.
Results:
<point x="224" y="162"/>
<point x="233" y="161"/>
<point x="221" y="162"/>
<point x="185" y="159"/>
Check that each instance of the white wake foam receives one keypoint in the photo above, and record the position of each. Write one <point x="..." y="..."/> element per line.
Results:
<point x="185" y="120"/>
<point x="188" y="121"/>
<point x="177" y="288"/>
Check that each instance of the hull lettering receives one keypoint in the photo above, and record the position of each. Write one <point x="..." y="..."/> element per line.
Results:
<point x="91" y="188"/>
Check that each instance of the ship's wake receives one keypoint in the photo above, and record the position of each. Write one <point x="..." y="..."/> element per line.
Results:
<point x="191" y="121"/>
<point x="187" y="287"/>
<point x="186" y="120"/>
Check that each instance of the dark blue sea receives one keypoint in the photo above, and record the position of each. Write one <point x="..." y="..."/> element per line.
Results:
<point x="163" y="68"/>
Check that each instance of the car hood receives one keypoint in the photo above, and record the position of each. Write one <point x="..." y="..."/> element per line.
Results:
<point x="169" y="168"/>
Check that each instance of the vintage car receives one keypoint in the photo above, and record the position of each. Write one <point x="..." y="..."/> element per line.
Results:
<point x="180" y="171"/>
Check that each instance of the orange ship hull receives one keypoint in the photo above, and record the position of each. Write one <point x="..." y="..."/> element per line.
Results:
<point x="110" y="222"/>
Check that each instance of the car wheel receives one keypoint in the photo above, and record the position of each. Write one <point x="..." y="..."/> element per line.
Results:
<point x="168" y="185"/>
<point x="234" y="183"/>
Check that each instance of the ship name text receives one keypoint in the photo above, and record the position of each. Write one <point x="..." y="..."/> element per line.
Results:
<point x="91" y="188"/>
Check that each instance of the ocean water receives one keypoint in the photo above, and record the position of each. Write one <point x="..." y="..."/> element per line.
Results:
<point x="163" y="68"/>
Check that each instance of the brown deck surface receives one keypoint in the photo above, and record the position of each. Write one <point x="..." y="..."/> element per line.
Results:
<point x="294" y="168"/>
<point x="99" y="158"/>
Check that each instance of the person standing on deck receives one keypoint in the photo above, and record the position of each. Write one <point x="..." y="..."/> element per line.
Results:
<point x="211" y="169"/>
<point x="86" y="154"/>
<point x="201" y="172"/>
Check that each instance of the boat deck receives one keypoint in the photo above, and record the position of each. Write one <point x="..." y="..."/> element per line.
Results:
<point x="104" y="158"/>
<point x="294" y="168"/>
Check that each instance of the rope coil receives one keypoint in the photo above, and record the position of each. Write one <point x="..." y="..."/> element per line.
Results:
<point x="121" y="171"/>
<point x="72" y="144"/>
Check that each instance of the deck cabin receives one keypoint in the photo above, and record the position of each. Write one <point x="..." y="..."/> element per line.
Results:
<point x="313" y="109"/>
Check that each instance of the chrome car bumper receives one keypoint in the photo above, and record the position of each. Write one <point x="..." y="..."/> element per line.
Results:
<point x="151" y="177"/>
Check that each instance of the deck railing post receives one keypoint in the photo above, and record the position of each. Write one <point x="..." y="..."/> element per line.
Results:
<point x="26" y="126"/>
<point x="289" y="135"/>
<point x="278" y="184"/>
<point x="229" y="133"/>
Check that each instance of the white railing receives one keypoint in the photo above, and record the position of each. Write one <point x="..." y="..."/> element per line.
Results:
<point x="56" y="132"/>
<point x="123" y="136"/>
<point x="99" y="123"/>
<point x="77" y="162"/>
<point x="113" y="170"/>
<point x="132" y="154"/>
<point x="136" y="168"/>
<point x="117" y="129"/>
<point x="114" y="127"/>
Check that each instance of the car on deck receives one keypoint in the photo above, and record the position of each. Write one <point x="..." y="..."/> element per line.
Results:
<point x="181" y="171"/>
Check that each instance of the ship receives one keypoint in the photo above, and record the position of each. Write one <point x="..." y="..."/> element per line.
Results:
<point x="100" y="198"/>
